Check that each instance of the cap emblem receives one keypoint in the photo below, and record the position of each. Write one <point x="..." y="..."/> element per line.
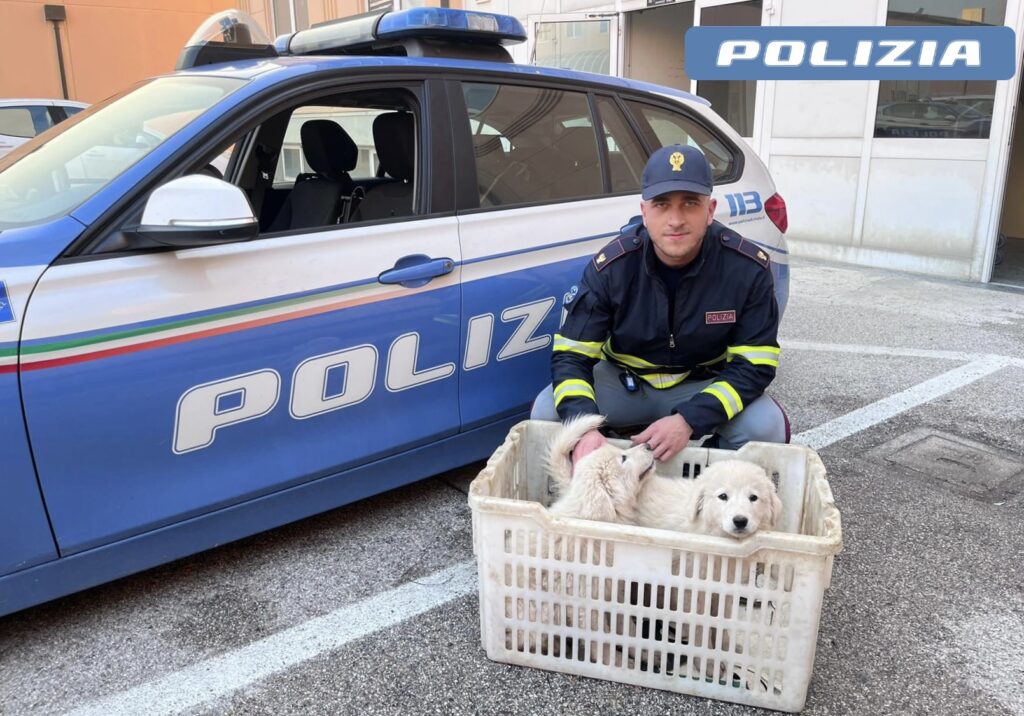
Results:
<point x="676" y="160"/>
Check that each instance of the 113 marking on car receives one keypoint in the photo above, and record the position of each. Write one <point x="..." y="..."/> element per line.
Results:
<point x="742" y="203"/>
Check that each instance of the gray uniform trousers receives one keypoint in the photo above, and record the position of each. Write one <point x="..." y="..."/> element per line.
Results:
<point x="763" y="420"/>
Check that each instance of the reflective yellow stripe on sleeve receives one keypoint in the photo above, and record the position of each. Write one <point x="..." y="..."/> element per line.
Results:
<point x="590" y="349"/>
<point x="573" y="387"/>
<point x="757" y="355"/>
<point x="727" y="396"/>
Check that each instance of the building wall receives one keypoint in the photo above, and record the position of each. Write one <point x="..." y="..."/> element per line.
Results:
<point x="921" y="205"/>
<point x="108" y="44"/>
<point x="325" y="10"/>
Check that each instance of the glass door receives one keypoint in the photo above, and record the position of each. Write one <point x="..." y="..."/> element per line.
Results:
<point x="735" y="100"/>
<point x="588" y="42"/>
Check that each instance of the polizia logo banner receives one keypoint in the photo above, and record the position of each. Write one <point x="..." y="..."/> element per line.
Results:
<point x="850" y="53"/>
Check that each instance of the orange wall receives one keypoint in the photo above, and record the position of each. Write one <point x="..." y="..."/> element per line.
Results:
<point x="111" y="44"/>
<point x="108" y="44"/>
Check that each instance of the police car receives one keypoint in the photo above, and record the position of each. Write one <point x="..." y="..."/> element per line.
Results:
<point x="289" y="276"/>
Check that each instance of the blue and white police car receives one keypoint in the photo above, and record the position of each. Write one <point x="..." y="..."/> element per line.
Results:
<point x="290" y="275"/>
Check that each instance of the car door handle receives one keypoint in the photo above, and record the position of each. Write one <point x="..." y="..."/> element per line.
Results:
<point x="416" y="270"/>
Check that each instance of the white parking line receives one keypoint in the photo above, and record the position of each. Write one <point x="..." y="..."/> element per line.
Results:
<point x="223" y="675"/>
<point x="798" y="345"/>
<point x="881" y="410"/>
<point x="878" y="350"/>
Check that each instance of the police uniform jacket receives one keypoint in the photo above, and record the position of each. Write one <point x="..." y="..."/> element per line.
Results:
<point x="723" y="325"/>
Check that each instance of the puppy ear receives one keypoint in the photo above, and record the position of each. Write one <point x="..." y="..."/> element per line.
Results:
<point x="698" y="505"/>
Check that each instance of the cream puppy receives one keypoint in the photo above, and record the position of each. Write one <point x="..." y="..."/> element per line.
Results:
<point x="603" y="485"/>
<point x="731" y="498"/>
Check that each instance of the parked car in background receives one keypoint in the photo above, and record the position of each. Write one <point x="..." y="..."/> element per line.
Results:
<point x="980" y="102"/>
<point x="22" y="119"/>
<point x="927" y="118"/>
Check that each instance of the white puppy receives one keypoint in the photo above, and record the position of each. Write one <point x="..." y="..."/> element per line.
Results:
<point x="603" y="485"/>
<point x="731" y="498"/>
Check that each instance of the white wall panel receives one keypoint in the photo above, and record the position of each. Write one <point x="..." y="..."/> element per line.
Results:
<point x="820" y="194"/>
<point x="923" y="206"/>
<point x="819" y="109"/>
<point x="817" y="147"/>
<point x="823" y="12"/>
<point x="959" y="269"/>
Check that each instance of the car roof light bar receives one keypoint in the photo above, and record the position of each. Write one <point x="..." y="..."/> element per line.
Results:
<point x="352" y="35"/>
<point x="347" y="33"/>
<point x="443" y="23"/>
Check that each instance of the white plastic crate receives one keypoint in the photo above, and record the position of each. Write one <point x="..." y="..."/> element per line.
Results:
<point x="709" y="616"/>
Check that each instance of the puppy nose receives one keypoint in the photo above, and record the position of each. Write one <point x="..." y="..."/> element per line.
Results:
<point x="740" y="522"/>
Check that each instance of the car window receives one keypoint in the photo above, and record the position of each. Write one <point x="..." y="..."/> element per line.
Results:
<point x="71" y="110"/>
<point x="478" y="127"/>
<point x="667" y="127"/>
<point x="345" y="158"/>
<point x="903" y="110"/>
<point x="16" y="122"/>
<point x="626" y="157"/>
<point x="47" y="177"/>
<point x="532" y="144"/>
<point x="357" y="122"/>
<point x="41" y="119"/>
<point x="984" y="106"/>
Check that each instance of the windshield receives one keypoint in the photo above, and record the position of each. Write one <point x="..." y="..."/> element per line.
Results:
<point x="59" y="170"/>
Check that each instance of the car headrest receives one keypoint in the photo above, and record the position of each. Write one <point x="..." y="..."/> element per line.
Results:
<point x="394" y="135"/>
<point x="328" y="149"/>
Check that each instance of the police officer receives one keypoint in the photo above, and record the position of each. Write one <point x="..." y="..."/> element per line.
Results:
<point x="673" y="325"/>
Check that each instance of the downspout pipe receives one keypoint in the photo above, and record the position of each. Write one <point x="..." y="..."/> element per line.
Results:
<point x="58" y="14"/>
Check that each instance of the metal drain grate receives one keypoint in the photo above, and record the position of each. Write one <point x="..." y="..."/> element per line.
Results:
<point x="978" y="469"/>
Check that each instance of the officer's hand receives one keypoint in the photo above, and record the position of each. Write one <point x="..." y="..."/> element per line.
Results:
<point x="666" y="436"/>
<point x="588" y="443"/>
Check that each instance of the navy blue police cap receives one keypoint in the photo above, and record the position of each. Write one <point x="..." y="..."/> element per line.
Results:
<point x="677" y="168"/>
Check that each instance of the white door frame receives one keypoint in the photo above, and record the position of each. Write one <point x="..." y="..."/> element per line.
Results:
<point x="997" y="164"/>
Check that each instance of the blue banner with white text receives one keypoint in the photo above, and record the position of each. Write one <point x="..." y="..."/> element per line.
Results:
<point x="850" y="53"/>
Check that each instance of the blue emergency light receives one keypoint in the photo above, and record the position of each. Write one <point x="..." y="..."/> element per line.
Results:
<point x="446" y="23"/>
<point x="369" y="34"/>
<point x="232" y="35"/>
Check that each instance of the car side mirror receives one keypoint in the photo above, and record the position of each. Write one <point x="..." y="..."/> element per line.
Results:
<point x="197" y="210"/>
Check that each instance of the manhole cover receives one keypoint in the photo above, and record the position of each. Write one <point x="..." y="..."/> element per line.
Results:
<point x="979" y="469"/>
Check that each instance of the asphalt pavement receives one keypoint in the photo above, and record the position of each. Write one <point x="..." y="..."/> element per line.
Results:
<point x="913" y="388"/>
